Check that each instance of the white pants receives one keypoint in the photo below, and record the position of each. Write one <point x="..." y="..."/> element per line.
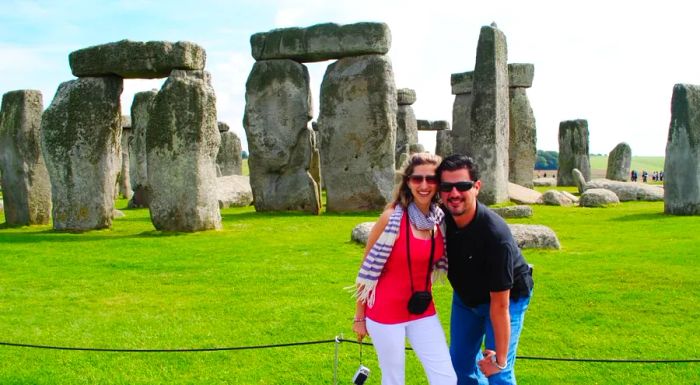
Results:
<point x="427" y="340"/>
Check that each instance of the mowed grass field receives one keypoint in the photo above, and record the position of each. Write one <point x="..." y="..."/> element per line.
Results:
<point x="625" y="285"/>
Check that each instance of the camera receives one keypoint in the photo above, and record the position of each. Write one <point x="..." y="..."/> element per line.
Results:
<point x="361" y="375"/>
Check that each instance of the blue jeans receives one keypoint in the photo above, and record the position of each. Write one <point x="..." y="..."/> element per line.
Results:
<point x="469" y="328"/>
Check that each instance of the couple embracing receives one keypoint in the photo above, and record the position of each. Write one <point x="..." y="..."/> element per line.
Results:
<point x="412" y="242"/>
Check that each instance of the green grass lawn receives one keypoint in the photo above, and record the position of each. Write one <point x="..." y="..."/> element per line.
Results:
<point x="639" y="163"/>
<point x="625" y="284"/>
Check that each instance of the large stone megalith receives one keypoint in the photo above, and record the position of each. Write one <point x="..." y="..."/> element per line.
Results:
<point x="573" y="151"/>
<point x="81" y="140"/>
<point x="182" y="140"/>
<point x="278" y="109"/>
<point x="489" y="134"/>
<point x="357" y="129"/>
<point x="462" y="87"/>
<point x="682" y="165"/>
<point x="522" y="148"/>
<point x="138" y="164"/>
<point x="407" y="125"/>
<point x="124" y="179"/>
<point x="443" y="143"/>
<point x="229" y="158"/>
<point x="619" y="163"/>
<point x="26" y="190"/>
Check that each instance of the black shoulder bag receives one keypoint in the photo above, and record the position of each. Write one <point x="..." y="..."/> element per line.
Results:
<point x="420" y="300"/>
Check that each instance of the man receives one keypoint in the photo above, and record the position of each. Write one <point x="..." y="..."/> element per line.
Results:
<point x="492" y="282"/>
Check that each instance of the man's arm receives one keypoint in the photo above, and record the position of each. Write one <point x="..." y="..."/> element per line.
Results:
<point x="500" y="320"/>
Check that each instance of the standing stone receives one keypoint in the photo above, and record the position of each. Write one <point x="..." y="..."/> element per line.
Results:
<point x="682" y="166"/>
<point x="357" y="128"/>
<point x="573" y="151"/>
<point x="124" y="180"/>
<point x="619" y="163"/>
<point x="182" y="141"/>
<point x="277" y="112"/>
<point x="522" y="149"/>
<point x="488" y="139"/>
<point x="229" y="157"/>
<point x="26" y="190"/>
<point x="138" y="164"/>
<point x="443" y="143"/>
<point x="462" y="86"/>
<point x="81" y="140"/>
<point x="407" y="125"/>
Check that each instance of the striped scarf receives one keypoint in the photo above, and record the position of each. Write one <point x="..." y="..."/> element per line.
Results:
<point x="374" y="261"/>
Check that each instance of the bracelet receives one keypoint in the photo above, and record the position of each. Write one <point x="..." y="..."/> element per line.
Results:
<point x="495" y="362"/>
<point x="358" y="320"/>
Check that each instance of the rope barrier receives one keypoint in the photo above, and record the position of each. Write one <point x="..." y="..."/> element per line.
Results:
<point x="336" y="340"/>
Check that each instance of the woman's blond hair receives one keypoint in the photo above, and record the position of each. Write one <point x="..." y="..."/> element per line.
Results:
<point x="402" y="193"/>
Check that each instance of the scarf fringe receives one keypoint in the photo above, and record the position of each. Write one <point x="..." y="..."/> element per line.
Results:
<point x="363" y="290"/>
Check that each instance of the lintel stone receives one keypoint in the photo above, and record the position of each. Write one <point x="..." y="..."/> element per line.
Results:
<point x="321" y="42"/>
<point x="405" y="96"/>
<point x="521" y="74"/>
<point x="137" y="60"/>
<point x="433" y="125"/>
<point x="462" y="83"/>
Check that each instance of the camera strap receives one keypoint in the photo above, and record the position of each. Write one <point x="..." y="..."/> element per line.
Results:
<point x="360" y="352"/>
<point x="408" y="254"/>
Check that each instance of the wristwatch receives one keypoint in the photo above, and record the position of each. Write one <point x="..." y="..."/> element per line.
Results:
<point x="495" y="362"/>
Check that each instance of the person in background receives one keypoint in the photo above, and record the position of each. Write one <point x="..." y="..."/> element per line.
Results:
<point x="492" y="282"/>
<point x="403" y="248"/>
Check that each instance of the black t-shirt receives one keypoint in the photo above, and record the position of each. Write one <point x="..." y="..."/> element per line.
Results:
<point x="483" y="257"/>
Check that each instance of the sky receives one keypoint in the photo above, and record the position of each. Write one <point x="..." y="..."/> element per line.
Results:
<point x="613" y="63"/>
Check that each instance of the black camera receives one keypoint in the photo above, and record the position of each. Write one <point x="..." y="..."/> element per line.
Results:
<point x="361" y="375"/>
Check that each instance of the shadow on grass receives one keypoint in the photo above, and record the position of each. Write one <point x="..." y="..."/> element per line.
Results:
<point x="641" y="217"/>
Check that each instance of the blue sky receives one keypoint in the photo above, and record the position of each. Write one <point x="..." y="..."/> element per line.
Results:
<point x="613" y="63"/>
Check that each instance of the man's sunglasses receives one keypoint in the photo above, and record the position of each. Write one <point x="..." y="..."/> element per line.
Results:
<point x="418" y="179"/>
<point x="461" y="186"/>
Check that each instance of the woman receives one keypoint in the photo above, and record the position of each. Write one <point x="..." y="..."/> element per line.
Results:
<point x="395" y="272"/>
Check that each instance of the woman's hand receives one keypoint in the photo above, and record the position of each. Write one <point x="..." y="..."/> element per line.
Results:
<point x="360" y="329"/>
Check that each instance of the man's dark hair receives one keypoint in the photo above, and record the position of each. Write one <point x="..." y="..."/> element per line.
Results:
<point x="458" y="161"/>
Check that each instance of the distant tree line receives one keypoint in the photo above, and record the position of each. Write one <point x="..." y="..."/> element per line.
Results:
<point x="547" y="160"/>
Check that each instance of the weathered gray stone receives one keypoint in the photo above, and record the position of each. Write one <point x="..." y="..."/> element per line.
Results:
<point x="141" y="107"/>
<point x="136" y="59"/>
<point x="123" y="177"/>
<point x="315" y="166"/>
<point x="233" y="191"/>
<point x="229" y="158"/>
<point x="520" y="211"/>
<point x="406" y="131"/>
<point x="461" y="122"/>
<point x="415" y="148"/>
<point x="521" y="74"/>
<point x="556" y="198"/>
<point x="277" y="112"/>
<point x="223" y="127"/>
<point x="360" y="233"/>
<point x="573" y="151"/>
<point x="26" y="190"/>
<point x="321" y="42"/>
<point x="579" y="180"/>
<point x="182" y="140"/>
<point x="488" y="137"/>
<point x="433" y="125"/>
<point x="682" y="164"/>
<point x="534" y="236"/>
<point x="443" y="143"/>
<point x="571" y="196"/>
<point x="628" y="191"/>
<point x="544" y="182"/>
<point x="405" y="96"/>
<point x="598" y="197"/>
<point x="523" y="195"/>
<point x="357" y="133"/>
<point x="80" y="141"/>
<point x="522" y="148"/>
<point x="462" y="83"/>
<point x="619" y="163"/>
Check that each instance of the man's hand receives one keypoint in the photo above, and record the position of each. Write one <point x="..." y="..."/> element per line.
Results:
<point x="487" y="365"/>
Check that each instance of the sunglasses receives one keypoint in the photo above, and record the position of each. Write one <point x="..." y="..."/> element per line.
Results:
<point x="418" y="179"/>
<point x="461" y="186"/>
